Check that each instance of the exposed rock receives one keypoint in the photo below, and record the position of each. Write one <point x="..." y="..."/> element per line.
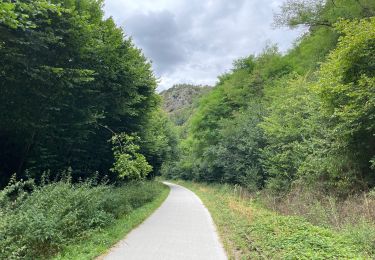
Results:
<point x="180" y="96"/>
<point x="179" y="100"/>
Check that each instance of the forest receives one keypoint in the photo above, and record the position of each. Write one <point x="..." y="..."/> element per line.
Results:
<point x="84" y="134"/>
<point x="70" y="80"/>
<point x="301" y="118"/>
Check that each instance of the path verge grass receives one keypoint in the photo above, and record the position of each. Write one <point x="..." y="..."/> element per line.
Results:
<point x="249" y="231"/>
<point x="99" y="242"/>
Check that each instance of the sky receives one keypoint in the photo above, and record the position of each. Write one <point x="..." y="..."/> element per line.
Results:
<point x="195" y="41"/>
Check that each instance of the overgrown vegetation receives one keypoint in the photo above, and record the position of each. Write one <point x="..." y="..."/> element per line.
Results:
<point x="100" y="241"/>
<point x="304" y="117"/>
<point x="39" y="221"/>
<point x="251" y="232"/>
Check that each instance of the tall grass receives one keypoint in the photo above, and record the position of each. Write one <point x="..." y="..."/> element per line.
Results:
<point x="250" y="231"/>
<point x="38" y="221"/>
<point x="352" y="216"/>
<point x="321" y="208"/>
<point x="315" y="205"/>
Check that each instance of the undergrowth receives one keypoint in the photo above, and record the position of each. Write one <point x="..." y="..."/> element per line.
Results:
<point x="39" y="221"/>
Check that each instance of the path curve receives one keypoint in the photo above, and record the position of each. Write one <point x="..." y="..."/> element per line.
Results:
<point x="180" y="229"/>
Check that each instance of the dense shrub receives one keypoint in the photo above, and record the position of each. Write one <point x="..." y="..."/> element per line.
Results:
<point x="38" y="224"/>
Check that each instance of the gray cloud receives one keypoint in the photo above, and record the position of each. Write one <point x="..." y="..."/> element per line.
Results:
<point x="194" y="41"/>
<point x="158" y="34"/>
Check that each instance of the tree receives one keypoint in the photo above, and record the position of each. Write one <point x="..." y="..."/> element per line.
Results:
<point x="315" y="13"/>
<point x="67" y="75"/>
<point x="289" y="125"/>
<point x="159" y="141"/>
<point x="346" y="86"/>
<point x="129" y="163"/>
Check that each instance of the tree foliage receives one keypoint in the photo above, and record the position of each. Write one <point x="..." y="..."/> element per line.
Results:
<point x="346" y="85"/>
<point x="305" y="117"/>
<point x="129" y="163"/>
<point x="315" y="13"/>
<point x="69" y="79"/>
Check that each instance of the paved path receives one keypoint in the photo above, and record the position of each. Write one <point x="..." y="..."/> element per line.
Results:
<point x="181" y="228"/>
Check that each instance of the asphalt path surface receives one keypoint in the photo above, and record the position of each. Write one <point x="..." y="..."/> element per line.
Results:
<point x="181" y="228"/>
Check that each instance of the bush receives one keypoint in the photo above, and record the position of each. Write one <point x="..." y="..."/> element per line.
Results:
<point x="39" y="224"/>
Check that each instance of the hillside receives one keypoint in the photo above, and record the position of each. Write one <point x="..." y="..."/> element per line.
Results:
<point x="180" y="100"/>
<point x="276" y="160"/>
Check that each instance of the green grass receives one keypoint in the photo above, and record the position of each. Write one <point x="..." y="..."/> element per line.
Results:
<point x="100" y="241"/>
<point x="249" y="231"/>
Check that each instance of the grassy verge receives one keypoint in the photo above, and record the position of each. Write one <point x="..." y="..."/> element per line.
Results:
<point x="250" y="231"/>
<point x="100" y="241"/>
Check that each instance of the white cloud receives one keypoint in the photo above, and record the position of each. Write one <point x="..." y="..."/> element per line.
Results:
<point x="194" y="41"/>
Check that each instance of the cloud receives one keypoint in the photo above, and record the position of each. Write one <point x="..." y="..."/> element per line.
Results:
<point x="194" y="41"/>
<point x="158" y="34"/>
